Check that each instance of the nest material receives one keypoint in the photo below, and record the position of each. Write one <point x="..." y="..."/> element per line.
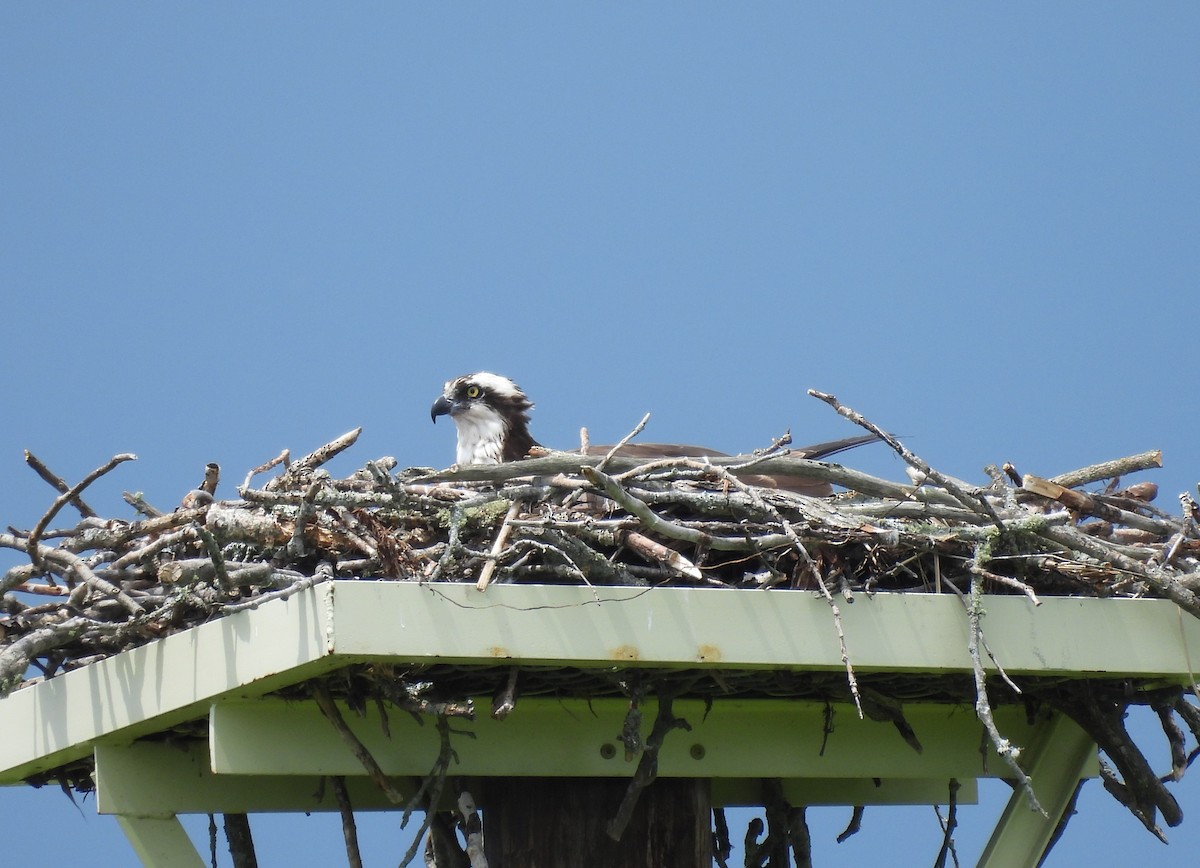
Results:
<point x="107" y="585"/>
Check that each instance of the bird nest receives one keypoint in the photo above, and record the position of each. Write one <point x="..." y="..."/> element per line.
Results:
<point x="104" y="585"/>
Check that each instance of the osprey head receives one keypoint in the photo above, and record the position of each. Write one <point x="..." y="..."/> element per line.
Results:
<point x="491" y="414"/>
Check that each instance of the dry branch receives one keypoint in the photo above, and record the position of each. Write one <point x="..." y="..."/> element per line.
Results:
<point x="59" y="485"/>
<point x="310" y="462"/>
<point x="1110" y="469"/>
<point x="647" y="771"/>
<point x="971" y="500"/>
<point x="349" y="828"/>
<point x="66" y="497"/>
<point x="329" y="708"/>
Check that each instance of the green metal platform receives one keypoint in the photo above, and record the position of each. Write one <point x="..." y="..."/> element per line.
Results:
<point x="266" y="754"/>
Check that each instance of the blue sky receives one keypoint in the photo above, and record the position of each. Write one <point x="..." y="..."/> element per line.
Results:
<point x="231" y="228"/>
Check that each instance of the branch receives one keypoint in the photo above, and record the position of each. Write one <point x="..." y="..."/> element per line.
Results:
<point x="349" y="829"/>
<point x="68" y="496"/>
<point x="498" y="544"/>
<point x="1110" y="469"/>
<point x="1084" y="503"/>
<point x="855" y="824"/>
<point x="328" y="708"/>
<point x="73" y="563"/>
<point x="283" y="458"/>
<point x="948" y="826"/>
<point x="983" y="708"/>
<point x="657" y="524"/>
<point x="15" y="657"/>
<point x="310" y="462"/>
<point x="974" y="501"/>
<point x="59" y="485"/>
<point x="1163" y="584"/>
<point x="647" y="770"/>
<point x="241" y="843"/>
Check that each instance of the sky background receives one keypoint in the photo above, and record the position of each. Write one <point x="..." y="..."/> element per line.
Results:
<point x="226" y="229"/>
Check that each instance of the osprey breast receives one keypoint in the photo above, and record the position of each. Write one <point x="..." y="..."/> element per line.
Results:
<point x="481" y="435"/>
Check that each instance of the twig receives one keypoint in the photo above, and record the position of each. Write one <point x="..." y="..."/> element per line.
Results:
<point x="139" y="503"/>
<point x="430" y="793"/>
<point x="1175" y="740"/>
<point x="72" y="562"/>
<point x="975" y="501"/>
<point x="722" y="847"/>
<point x="1121" y="793"/>
<point x="647" y="769"/>
<point x="1007" y="581"/>
<point x="295" y="546"/>
<point x="775" y="465"/>
<point x="1110" y="469"/>
<point x="1140" y="790"/>
<point x="582" y="561"/>
<point x="498" y="544"/>
<point x="855" y="824"/>
<point x="1082" y="502"/>
<point x="154" y="546"/>
<point x="349" y="829"/>
<point x="983" y="707"/>
<point x="58" y="483"/>
<point x="774" y="847"/>
<point x="982" y="637"/>
<point x="328" y="708"/>
<point x="310" y="462"/>
<point x="506" y="699"/>
<point x="283" y="458"/>
<point x="453" y="545"/>
<point x="612" y="453"/>
<point x="657" y="524"/>
<point x="214" y="552"/>
<point x="794" y="538"/>
<point x="948" y="826"/>
<point x="800" y="838"/>
<point x="323" y="573"/>
<point x="241" y="842"/>
<point x="659" y="553"/>
<point x="472" y="830"/>
<point x="65" y="498"/>
<point x="750" y="847"/>
<point x="1160" y="582"/>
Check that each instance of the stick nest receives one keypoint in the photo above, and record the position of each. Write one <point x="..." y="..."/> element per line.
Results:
<point x="105" y="585"/>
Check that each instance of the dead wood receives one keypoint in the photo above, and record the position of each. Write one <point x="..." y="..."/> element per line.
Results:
<point x="59" y="485"/>
<point x="349" y="828"/>
<point x="241" y="842"/>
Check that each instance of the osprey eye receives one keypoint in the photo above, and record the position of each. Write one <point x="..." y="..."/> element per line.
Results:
<point x="472" y="391"/>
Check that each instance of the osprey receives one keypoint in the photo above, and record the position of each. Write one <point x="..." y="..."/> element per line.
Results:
<point x="492" y="416"/>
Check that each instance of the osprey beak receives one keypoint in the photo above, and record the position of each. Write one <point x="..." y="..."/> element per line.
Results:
<point x="440" y="408"/>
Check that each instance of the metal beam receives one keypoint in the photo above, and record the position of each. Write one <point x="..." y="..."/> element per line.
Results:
<point x="684" y="627"/>
<point x="578" y="738"/>
<point x="174" y="679"/>
<point x="156" y="778"/>
<point x="148" y="778"/>
<point x="1055" y="762"/>
<point x="160" y="842"/>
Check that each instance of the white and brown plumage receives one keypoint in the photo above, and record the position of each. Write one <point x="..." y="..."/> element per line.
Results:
<point x="491" y="414"/>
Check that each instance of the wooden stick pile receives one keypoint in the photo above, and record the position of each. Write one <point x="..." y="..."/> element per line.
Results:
<point x="98" y="586"/>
